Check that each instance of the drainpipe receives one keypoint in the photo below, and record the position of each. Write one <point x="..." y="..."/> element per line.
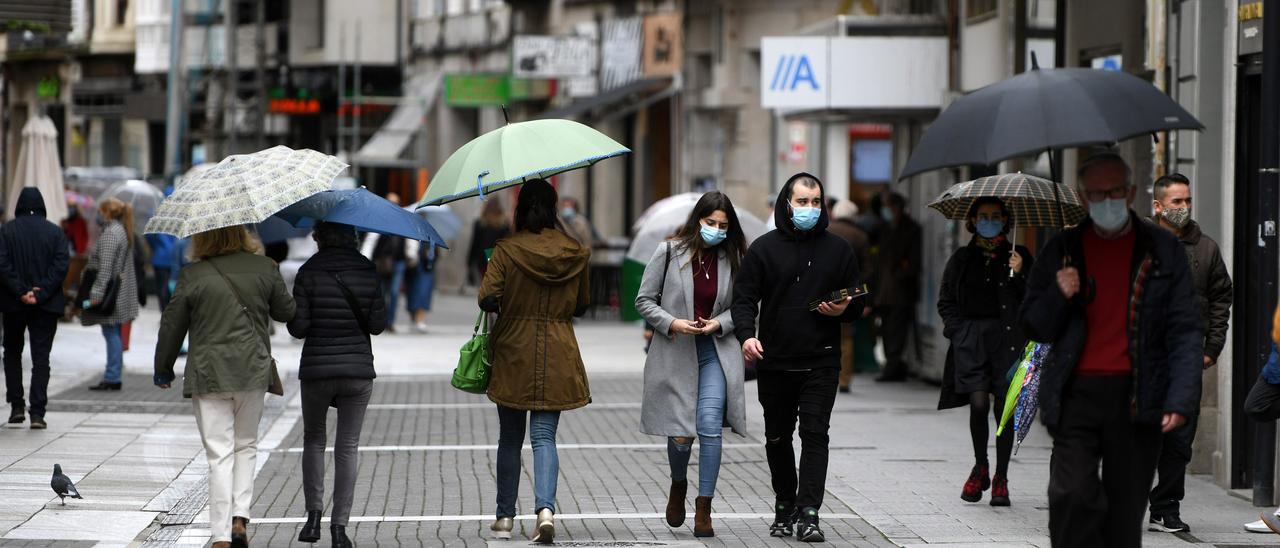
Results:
<point x="1264" y="454"/>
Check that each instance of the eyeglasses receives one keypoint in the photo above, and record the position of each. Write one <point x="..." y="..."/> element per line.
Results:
<point x="1100" y="195"/>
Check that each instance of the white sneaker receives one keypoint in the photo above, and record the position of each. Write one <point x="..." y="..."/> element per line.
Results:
<point x="420" y="327"/>
<point x="1257" y="527"/>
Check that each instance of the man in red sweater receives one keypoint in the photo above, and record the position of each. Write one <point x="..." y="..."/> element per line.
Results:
<point x="1115" y="297"/>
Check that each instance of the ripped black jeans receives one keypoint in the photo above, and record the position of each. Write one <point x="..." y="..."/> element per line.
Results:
<point x="808" y="396"/>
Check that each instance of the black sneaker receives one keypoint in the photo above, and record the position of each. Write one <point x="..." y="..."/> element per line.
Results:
<point x="807" y="530"/>
<point x="17" y="414"/>
<point x="103" y="386"/>
<point x="1167" y="524"/>
<point x="784" y="521"/>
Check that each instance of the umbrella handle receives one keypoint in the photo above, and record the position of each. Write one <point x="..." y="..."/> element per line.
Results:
<point x="480" y="184"/>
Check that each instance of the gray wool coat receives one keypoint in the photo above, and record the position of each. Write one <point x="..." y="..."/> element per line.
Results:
<point x="112" y="256"/>
<point x="671" y="368"/>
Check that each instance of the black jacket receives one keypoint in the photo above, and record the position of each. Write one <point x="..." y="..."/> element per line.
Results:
<point x="33" y="253"/>
<point x="958" y="303"/>
<point x="782" y="272"/>
<point x="336" y="346"/>
<point x="1213" y="287"/>
<point x="898" y="264"/>
<point x="1167" y="353"/>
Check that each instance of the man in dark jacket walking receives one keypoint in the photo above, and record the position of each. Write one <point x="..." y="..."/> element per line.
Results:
<point x="1115" y="297"/>
<point x="796" y="348"/>
<point x="897" y="284"/>
<point x="33" y="264"/>
<point x="1172" y="207"/>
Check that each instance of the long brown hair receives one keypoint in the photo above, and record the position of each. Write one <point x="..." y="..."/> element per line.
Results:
<point x="113" y="209"/>
<point x="222" y="241"/>
<point x="689" y="237"/>
<point x="536" y="207"/>
<point x="492" y="215"/>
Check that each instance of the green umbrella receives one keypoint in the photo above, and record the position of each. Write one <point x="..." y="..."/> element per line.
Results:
<point x="514" y="153"/>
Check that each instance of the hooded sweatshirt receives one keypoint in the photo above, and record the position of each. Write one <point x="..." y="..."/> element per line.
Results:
<point x="33" y="253"/>
<point x="781" y="274"/>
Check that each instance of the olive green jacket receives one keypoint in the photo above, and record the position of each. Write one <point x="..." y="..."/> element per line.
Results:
<point x="227" y="353"/>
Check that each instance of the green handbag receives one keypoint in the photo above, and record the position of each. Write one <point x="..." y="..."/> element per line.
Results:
<point x="472" y="373"/>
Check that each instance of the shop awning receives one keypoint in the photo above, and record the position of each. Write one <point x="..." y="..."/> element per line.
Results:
<point x="386" y="146"/>
<point x="617" y="102"/>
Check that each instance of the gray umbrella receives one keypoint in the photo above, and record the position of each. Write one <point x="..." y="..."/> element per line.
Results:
<point x="1042" y="110"/>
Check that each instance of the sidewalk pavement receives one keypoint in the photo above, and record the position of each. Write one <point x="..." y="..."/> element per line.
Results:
<point x="426" y="468"/>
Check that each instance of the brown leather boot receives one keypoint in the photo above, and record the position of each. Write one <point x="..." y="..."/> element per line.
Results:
<point x="675" y="503"/>
<point x="702" y="518"/>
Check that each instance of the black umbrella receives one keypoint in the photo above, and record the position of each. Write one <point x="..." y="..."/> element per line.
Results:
<point x="1042" y="110"/>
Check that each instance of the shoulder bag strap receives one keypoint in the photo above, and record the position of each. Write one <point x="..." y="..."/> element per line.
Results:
<point x="666" y="263"/>
<point x="361" y="318"/>
<point x="243" y="309"/>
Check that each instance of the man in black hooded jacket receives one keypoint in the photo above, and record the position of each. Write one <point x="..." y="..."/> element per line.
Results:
<point x="797" y="351"/>
<point x="33" y="263"/>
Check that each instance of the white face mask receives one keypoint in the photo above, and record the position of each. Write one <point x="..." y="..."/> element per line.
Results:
<point x="1109" y="214"/>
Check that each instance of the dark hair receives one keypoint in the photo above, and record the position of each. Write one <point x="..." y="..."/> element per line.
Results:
<point x="536" y="207"/>
<point x="689" y="236"/>
<point x="1165" y="181"/>
<point x="893" y="199"/>
<point x="807" y="181"/>
<point x="973" y="213"/>
<point x="335" y="236"/>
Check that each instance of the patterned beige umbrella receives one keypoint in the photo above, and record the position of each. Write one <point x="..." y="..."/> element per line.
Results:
<point x="244" y="189"/>
<point x="39" y="166"/>
<point x="1030" y="199"/>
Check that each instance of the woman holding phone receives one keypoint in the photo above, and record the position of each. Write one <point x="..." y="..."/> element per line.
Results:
<point x="693" y="381"/>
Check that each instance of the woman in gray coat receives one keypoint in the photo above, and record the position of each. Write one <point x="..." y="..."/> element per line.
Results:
<point x="112" y="257"/>
<point x="693" y="373"/>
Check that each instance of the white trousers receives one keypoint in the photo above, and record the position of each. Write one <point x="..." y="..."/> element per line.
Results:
<point x="228" y="423"/>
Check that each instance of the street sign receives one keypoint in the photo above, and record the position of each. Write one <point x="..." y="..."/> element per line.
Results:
<point x="794" y="72"/>
<point x="552" y="56"/>
<point x="492" y="90"/>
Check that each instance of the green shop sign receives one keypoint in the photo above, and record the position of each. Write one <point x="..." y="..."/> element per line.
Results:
<point x="491" y="90"/>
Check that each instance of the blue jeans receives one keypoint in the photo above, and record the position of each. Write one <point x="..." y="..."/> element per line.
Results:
<point x="420" y="291"/>
<point x="115" y="353"/>
<point x="710" y="423"/>
<point x="391" y="291"/>
<point x="546" y="464"/>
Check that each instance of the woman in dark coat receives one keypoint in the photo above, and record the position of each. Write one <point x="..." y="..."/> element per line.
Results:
<point x="982" y="289"/>
<point x="340" y="304"/>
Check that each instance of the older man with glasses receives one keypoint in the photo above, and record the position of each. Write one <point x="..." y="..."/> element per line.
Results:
<point x="1115" y="297"/>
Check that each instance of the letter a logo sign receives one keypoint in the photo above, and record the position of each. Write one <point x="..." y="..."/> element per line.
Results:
<point x="793" y="71"/>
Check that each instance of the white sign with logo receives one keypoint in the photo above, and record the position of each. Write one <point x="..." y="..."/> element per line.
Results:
<point x="853" y="72"/>
<point x="794" y="72"/>
<point x="552" y="56"/>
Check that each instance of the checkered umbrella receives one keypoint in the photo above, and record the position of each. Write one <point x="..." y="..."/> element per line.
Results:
<point x="244" y="189"/>
<point x="1032" y="200"/>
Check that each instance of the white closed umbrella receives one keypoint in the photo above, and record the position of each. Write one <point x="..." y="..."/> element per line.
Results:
<point x="38" y="166"/>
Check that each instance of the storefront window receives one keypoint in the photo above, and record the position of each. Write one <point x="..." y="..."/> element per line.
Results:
<point x="980" y="10"/>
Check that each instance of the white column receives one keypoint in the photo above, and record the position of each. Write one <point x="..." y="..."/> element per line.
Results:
<point x="835" y="171"/>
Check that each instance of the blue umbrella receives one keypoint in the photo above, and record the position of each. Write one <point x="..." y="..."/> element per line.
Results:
<point x="276" y="230"/>
<point x="447" y="223"/>
<point x="363" y="210"/>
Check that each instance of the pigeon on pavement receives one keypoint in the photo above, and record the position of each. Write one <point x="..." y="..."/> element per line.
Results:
<point x="62" y="485"/>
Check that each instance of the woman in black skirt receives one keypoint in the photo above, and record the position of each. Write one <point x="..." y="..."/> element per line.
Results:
<point x="981" y="291"/>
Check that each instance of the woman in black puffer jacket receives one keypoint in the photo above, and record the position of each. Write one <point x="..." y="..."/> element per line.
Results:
<point x="340" y="305"/>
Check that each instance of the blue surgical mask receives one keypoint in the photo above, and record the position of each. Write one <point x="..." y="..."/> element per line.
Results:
<point x="713" y="236"/>
<point x="805" y="218"/>
<point x="1109" y="214"/>
<point x="568" y="212"/>
<point x="886" y="214"/>
<point x="989" y="228"/>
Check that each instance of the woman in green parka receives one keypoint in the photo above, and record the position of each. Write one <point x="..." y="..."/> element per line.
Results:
<point x="225" y="301"/>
